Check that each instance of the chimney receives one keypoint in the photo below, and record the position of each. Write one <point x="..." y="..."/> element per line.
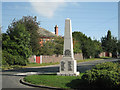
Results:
<point x="56" y="30"/>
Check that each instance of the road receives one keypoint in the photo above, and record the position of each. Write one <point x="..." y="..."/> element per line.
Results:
<point x="10" y="78"/>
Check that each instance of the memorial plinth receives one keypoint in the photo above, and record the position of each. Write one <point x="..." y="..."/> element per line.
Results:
<point x="68" y="65"/>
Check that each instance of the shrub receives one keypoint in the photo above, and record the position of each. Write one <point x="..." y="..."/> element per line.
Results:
<point x="102" y="75"/>
<point x="101" y="78"/>
<point x="9" y="59"/>
<point x="110" y="66"/>
<point x="4" y="61"/>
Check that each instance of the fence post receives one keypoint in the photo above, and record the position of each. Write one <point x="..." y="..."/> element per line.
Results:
<point x="35" y="58"/>
<point x="41" y="59"/>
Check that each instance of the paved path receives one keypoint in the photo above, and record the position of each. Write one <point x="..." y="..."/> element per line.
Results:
<point x="10" y="78"/>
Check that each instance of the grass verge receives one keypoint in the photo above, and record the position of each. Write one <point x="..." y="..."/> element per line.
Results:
<point x="7" y="67"/>
<point x="91" y="59"/>
<point x="36" y="64"/>
<point x="104" y="75"/>
<point x="53" y="80"/>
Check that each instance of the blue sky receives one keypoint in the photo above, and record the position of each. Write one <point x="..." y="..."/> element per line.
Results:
<point x="91" y="18"/>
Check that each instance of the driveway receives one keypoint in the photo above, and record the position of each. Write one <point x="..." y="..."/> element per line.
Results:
<point x="10" y="78"/>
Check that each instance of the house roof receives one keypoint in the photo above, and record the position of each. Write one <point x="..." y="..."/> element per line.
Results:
<point x="45" y="33"/>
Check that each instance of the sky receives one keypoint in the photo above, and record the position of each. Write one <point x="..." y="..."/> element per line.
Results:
<point x="93" y="19"/>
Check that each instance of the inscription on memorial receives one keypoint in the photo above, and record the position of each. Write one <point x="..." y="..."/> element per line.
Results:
<point x="67" y="52"/>
<point x="69" y="66"/>
<point x="62" y="66"/>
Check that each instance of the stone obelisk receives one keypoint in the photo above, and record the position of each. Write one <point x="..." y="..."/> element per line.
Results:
<point x="68" y="65"/>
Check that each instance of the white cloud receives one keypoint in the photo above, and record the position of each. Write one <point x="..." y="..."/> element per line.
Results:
<point x="46" y="9"/>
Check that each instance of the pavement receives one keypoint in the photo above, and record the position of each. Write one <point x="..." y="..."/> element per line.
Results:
<point x="10" y="78"/>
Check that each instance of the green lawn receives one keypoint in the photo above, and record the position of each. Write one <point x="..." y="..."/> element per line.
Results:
<point x="36" y="64"/>
<point x="53" y="80"/>
<point x="105" y="57"/>
<point x="91" y="59"/>
<point x="104" y="75"/>
<point x="7" y="67"/>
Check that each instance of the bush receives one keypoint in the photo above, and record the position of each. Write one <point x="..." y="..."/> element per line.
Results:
<point x="110" y="66"/>
<point x="4" y="61"/>
<point x="105" y="75"/>
<point x="101" y="78"/>
<point x="9" y="59"/>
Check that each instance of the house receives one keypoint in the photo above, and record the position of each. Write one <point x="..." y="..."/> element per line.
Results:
<point x="46" y="35"/>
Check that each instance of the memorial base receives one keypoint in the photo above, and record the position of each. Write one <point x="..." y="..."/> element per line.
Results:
<point x="68" y="74"/>
<point x="68" y="67"/>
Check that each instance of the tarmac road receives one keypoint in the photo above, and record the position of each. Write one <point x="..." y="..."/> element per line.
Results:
<point x="10" y="78"/>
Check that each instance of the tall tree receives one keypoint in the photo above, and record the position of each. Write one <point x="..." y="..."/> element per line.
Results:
<point x="16" y="44"/>
<point x="109" y="44"/>
<point x="114" y="47"/>
<point x="109" y="36"/>
<point x="85" y="44"/>
<point x="106" y="42"/>
<point x="88" y="49"/>
<point x="0" y="38"/>
<point x="97" y="47"/>
<point x="76" y="47"/>
<point x="47" y="48"/>
<point x="32" y="26"/>
<point x="118" y="47"/>
<point x="58" y="42"/>
<point x="53" y="46"/>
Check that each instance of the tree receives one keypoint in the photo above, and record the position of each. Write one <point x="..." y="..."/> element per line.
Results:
<point x="118" y="45"/>
<point x="47" y="48"/>
<point x="109" y="44"/>
<point x="97" y="47"/>
<point x="16" y="45"/>
<point x="86" y="50"/>
<point x="76" y="47"/>
<point x="109" y="36"/>
<point x="58" y="43"/>
<point x="32" y="26"/>
<point x="114" y="47"/>
<point x="53" y="46"/>
<point x="89" y="47"/>
<point x="78" y="39"/>
<point x="0" y="38"/>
